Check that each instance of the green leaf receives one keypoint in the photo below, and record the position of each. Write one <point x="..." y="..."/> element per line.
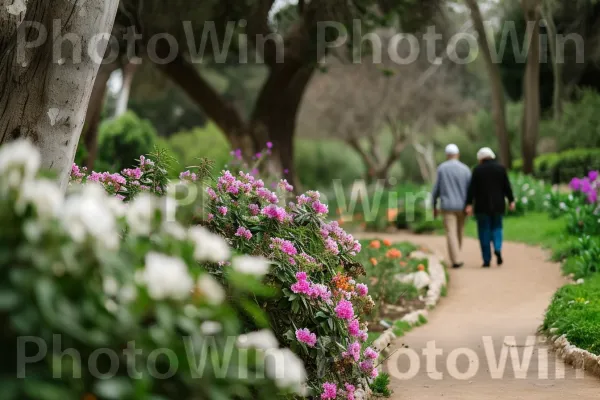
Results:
<point x="8" y="299"/>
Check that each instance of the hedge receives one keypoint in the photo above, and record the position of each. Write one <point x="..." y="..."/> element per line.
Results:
<point x="562" y="167"/>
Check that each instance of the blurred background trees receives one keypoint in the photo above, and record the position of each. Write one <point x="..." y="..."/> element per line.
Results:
<point x="338" y="119"/>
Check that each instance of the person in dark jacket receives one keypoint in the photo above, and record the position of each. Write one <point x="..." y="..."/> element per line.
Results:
<point x="488" y="191"/>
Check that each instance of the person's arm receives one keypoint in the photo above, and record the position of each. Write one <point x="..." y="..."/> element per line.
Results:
<point x="508" y="192"/>
<point x="471" y="193"/>
<point x="435" y="193"/>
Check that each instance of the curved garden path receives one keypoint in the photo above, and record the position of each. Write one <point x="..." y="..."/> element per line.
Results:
<point x="496" y="302"/>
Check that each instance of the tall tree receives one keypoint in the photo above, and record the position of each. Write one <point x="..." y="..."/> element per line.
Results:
<point x="531" y="85"/>
<point x="496" y="87"/>
<point x="44" y="97"/>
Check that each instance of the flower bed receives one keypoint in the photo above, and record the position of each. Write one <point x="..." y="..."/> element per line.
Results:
<point x="105" y="278"/>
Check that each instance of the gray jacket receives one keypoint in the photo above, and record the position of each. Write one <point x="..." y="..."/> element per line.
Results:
<point x="451" y="186"/>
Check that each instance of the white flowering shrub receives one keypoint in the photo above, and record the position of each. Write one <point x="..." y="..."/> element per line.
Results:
<point x="101" y="299"/>
<point x="531" y="195"/>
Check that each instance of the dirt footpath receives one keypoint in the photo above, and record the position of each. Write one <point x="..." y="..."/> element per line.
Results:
<point x="480" y="341"/>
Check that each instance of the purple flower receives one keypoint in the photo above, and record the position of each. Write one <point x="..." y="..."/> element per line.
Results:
<point x="354" y="328"/>
<point x="370" y="353"/>
<point x="592" y="197"/>
<point x="366" y="365"/>
<point x="585" y="185"/>
<point x="274" y="212"/>
<point x="269" y="145"/>
<point x="283" y="245"/>
<point x="222" y="210"/>
<point x="593" y="175"/>
<point x="320" y="208"/>
<point x="331" y="246"/>
<point x="254" y="209"/>
<point x="575" y="183"/>
<point x="305" y="336"/>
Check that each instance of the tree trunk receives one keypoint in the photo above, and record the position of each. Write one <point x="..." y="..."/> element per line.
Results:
<point x="531" y="90"/>
<point x="42" y="99"/>
<point x="557" y="67"/>
<point x="496" y="87"/>
<point x="123" y="99"/>
<point x="274" y="118"/>
<point x="94" y="113"/>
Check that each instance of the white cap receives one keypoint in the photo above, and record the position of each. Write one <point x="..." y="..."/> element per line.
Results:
<point x="484" y="153"/>
<point x="452" y="149"/>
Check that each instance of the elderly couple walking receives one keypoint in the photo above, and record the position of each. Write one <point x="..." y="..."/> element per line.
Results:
<point x="482" y="193"/>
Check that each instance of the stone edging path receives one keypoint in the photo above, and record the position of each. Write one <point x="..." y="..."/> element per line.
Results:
<point x="458" y="354"/>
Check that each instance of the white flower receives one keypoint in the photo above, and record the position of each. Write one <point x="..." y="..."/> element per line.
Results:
<point x="111" y="305"/>
<point x="562" y="206"/>
<point x="43" y="194"/>
<point x="263" y="340"/>
<point x="116" y="206"/>
<point x="110" y="286"/>
<point x="580" y="281"/>
<point x="127" y="294"/>
<point x="167" y="277"/>
<point x="532" y="192"/>
<point x="210" y="289"/>
<point x="210" y="328"/>
<point x="525" y="187"/>
<point x="87" y="213"/>
<point x="286" y="369"/>
<point x="524" y="200"/>
<point x="140" y="213"/>
<point x="258" y="266"/>
<point x="19" y="155"/>
<point x="174" y="229"/>
<point x="209" y="247"/>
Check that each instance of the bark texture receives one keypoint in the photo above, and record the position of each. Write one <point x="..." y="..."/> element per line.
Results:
<point x="496" y="87"/>
<point x="531" y="83"/>
<point x="45" y="88"/>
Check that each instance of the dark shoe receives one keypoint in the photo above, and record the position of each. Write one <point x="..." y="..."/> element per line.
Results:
<point x="458" y="265"/>
<point x="486" y="265"/>
<point x="499" y="257"/>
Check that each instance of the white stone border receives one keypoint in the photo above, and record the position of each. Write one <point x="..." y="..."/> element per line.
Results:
<point x="572" y="355"/>
<point x="437" y="274"/>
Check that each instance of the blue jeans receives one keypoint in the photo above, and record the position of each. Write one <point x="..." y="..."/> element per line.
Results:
<point x="490" y="230"/>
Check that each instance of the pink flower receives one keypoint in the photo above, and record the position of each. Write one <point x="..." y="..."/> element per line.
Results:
<point x="374" y="373"/>
<point x="370" y="353"/>
<point x="366" y="365"/>
<point x="331" y="246"/>
<point x="243" y="232"/>
<point x="362" y="289"/>
<point x="120" y="196"/>
<point x="350" y="389"/>
<point x="211" y="217"/>
<point x="353" y="351"/>
<point x="305" y="336"/>
<point x="283" y="184"/>
<point x="354" y="328"/>
<point x="320" y="291"/>
<point x="301" y="276"/>
<point x="254" y="209"/>
<point x="301" y="287"/>
<point x="211" y="193"/>
<point x="302" y="199"/>
<point x="329" y="391"/>
<point x="274" y="212"/>
<point x="344" y="310"/>
<point x="269" y="145"/>
<point x="188" y="176"/>
<point x="320" y="208"/>
<point x="267" y="195"/>
<point x="363" y="336"/>
<point x="222" y="210"/>
<point x="283" y="245"/>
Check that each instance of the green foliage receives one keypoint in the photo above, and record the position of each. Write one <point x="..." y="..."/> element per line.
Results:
<point x="320" y="162"/>
<point x="122" y="140"/>
<point x="531" y="195"/>
<point x="562" y="167"/>
<point x="380" y="385"/>
<point x="190" y="146"/>
<point x="575" y="312"/>
<point x="583" y="220"/>
<point x="579" y="125"/>
<point x="101" y="276"/>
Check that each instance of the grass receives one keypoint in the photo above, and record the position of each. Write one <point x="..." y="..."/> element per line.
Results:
<point x="536" y="229"/>
<point x="575" y="312"/>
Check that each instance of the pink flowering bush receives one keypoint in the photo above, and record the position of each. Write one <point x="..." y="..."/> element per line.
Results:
<point x="320" y="308"/>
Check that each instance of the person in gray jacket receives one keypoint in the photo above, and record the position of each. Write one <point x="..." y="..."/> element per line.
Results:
<point x="451" y="187"/>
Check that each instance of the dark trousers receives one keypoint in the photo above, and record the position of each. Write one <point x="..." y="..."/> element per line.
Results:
<point x="490" y="230"/>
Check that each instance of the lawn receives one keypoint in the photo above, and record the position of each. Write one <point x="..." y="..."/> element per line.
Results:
<point x="534" y="229"/>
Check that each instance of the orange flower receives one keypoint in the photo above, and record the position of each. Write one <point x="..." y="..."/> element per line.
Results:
<point x="375" y="244"/>
<point x="403" y="263"/>
<point x="373" y="261"/>
<point x="421" y="267"/>
<point x="358" y="217"/>
<point x="392" y="214"/>
<point x="342" y="282"/>
<point x="340" y="221"/>
<point x="393" y="253"/>
<point x="387" y="242"/>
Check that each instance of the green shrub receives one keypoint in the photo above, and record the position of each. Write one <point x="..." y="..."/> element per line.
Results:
<point x="562" y="167"/>
<point x="206" y="142"/>
<point x="100" y="277"/>
<point x="380" y="385"/>
<point x="122" y="140"/>
<point x="575" y="312"/>
<point x="320" y="162"/>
